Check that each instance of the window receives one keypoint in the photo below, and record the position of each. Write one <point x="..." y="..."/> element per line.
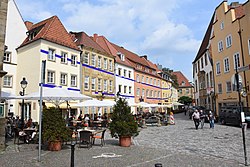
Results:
<point x="196" y="67"/>
<point x="229" y="86"/>
<point x="142" y="78"/>
<point x="205" y="59"/>
<point x="86" y="83"/>
<point x="196" y="86"/>
<point x="119" y="71"/>
<point x="207" y="79"/>
<point x="51" y="77"/>
<point x="219" y="88"/>
<point x="147" y="91"/>
<point x="110" y="65"/>
<point x="222" y="25"/>
<point x="229" y="41"/>
<point x="93" y="83"/>
<point x="129" y="74"/>
<point x="151" y="93"/>
<point x="99" y="84"/>
<point x="120" y="88"/>
<point x="86" y="58"/>
<point x="183" y="83"/>
<point x="105" y="85"/>
<point x="187" y="91"/>
<point x="51" y="55"/>
<point x="124" y="73"/>
<point x="150" y="81"/>
<point x="147" y="80"/>
<point x="7" y="57"/>
<point x="155" y="92"/>
<point x="64" y="56"/>
<point x="138" y="92"/>
<point x="211" y="78"/>
<point x="125" y="89"/>
<point x="158" y="83"/>
<point x="7" y="81"/>
<point x="202" y="63"/>
<point x="99" y="62"/>
<point x="137" y="78"/>
<point x="63" y="79"/>
<point x="143" y="92"/>
<point x="105" y="63"/>
<point x="226" y="64"/>
<point x="146" y="69"/>
<point x="73" y="80"/>
<point x="73" y="60"/>
<point x="180" y="91"/>
<point x="236" y="60"/>
<point x="154" y="82"/>
<point x="218" y="68"/>
<point x="159" y="94"/>
<point x="220" y="46"/>
<point x="130" y="89"/>
<point x="93" y="57"/>
<point x="110" y="86"/>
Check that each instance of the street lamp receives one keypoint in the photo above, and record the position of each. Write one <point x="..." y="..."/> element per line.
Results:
<point x="23" y="84"/>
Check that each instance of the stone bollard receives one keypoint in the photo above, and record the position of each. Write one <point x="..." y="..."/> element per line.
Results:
<point x="158" y="165"/>
<point x="72" y="164"/>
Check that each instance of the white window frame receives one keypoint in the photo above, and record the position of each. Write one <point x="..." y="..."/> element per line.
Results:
<point x="99" y="84"/>
<point x="105" y="85"/>
<point x="64" y="56"/>
<point x="142" y="78"/>
<point x="129" y="74"/>
<point x="125" y="89"/>
<point x="51" y="75"/>
<point x="63" y="79"/>
<point x="226" y="65"/>
<point x="222" y="25"/>
<point x="236" y="60"/>
<point x="138" y="92"/>
<point x="119" y="71"/>
<point x="73" y="80"/>
<point x="93" y="60"/>
<point x="130" y="89"/>
<point x="125" y="73"/>
<point x="73" y="60"/>
<point x="218" y="70"/>
<point x="7" y="57"/>
<point x="86" y="83"/>
<point x="137" y="78"/>
<point x="105" y="63"/>
<point x="86" y="58"/>
<point x="143" y="92"/>
<point x="8" y="81"/>
<point x="110" y="86"/>
<point x="110" y="65"/>
<point x="228" y="41"/>
<point x="228" y="86"/>
<point x="120" y="88"/>
<point x="220" y="46"/>
<point x="99" y="62"/>
<point x="93" y="82"/>
<point x="52" y="54"/>
<point x="219" y="88"/>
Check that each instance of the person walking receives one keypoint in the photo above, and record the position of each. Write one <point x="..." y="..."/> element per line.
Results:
<point x="202" y="118"/>
<point x="211" y="119"/>
<point x="196" y="118"/>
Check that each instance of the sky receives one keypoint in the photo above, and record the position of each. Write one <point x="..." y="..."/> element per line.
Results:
<point x="169" y="32"/>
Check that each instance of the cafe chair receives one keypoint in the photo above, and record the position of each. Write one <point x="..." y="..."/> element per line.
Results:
<point x="101" y="137"/>
<point x="85" y="138"/>
<point x="19" y="136"/>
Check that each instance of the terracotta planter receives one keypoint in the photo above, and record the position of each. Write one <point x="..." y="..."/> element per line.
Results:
<point x="125" y="141"/>
<point x="55" y="145"/>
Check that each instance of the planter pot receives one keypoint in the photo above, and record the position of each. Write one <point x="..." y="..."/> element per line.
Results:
<point x="125" y="141"/>
<point x="55" y="145"/>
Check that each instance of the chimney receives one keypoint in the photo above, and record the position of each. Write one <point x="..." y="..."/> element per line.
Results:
<point x="234" y="4"/>
<point x="28" y="24"/>
<point x="145" y="57"/>
<point x="95" y="37"/>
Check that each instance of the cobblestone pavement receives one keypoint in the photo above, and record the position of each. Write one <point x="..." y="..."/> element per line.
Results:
<point x="173" y="145"/>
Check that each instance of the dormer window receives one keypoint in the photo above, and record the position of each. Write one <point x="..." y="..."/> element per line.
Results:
<point x="121" y="56"/>
<point x="183" y="83"/>
<point x="32" y="35"/>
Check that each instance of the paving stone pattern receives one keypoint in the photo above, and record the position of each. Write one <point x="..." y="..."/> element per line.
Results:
<point x="172" y="145"/>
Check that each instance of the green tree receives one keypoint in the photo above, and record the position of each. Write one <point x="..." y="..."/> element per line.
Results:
<point x="185" y="100"/>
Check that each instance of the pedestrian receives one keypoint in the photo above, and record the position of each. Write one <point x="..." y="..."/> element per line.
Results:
<point x="196" y="118"/>
<point x="202" y="118"/>
<point x="211" y="119"/>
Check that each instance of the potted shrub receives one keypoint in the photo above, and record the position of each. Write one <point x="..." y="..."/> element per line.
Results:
<point x="122" y="123"/>
<point x="54" y="130"/>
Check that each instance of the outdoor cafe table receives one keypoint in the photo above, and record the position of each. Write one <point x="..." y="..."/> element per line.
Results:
<point x="29" y="132"/>
<point x="93" y="130"/>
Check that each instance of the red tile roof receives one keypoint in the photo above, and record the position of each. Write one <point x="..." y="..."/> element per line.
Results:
<point x="181" y="79"/>
<point x="82" y="38"/>
<point x="51" y="30"/>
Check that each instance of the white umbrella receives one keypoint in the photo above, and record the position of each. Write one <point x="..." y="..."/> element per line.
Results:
<point x="7" y="95"/>
<point x="95" y="103"/>
<point x="56" y="95"/>
<point x="141" y="104"/>
<point x="177" y="104"/>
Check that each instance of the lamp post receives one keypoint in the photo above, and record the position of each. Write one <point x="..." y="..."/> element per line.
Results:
<point x="23" y="84"/>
